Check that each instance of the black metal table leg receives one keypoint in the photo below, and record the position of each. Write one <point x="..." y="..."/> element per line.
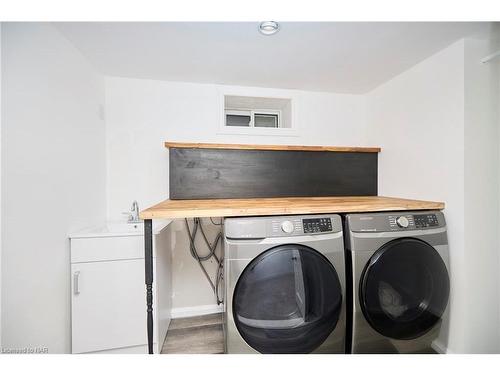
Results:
<point x="148" y="262"/>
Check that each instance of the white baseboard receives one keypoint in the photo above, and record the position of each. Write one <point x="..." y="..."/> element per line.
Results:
<point x="184" y="312"/>
<point x="439" y="347"/>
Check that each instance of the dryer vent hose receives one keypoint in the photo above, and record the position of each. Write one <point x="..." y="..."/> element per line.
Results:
<point x="212" y="249"/>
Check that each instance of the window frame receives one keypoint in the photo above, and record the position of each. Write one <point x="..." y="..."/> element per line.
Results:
<point x="251" y="113"/>
<point x="288" y="128"/>
<point x="268" y="113"/>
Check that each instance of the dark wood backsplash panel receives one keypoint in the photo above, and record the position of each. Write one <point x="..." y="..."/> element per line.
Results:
<point x="197" y="173"/>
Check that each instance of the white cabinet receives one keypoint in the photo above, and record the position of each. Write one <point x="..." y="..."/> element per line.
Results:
<point x="108" y="297"/>
<point x="108" y="293"/>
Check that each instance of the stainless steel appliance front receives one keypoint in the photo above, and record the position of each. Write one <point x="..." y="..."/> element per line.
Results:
<point x="285" y="284"/>
<point x="400" y="286"/>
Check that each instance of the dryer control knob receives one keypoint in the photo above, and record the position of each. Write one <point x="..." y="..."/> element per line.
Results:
<point x="402" y="222"/>
<point x="287" y="226"/>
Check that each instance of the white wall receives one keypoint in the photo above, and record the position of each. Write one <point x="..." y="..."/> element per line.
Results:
<point x="437" y="128"/>
<point x="53" y="178"/>
<point x="497" y="67"/>
<point x="482" y="169"/>
<point x="418" y="120"/>
<point x="1" y="26"/>
<point x="142" y="114"/>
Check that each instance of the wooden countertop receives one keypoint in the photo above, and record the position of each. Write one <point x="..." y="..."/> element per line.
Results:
<point x="172" y="209"/>
<point x="270" y="147"/>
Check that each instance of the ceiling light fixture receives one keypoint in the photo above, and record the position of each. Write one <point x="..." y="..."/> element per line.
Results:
<point x="269" y="27"/>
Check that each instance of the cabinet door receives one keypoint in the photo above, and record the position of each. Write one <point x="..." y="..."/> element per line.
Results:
<point x="108" y="305"/>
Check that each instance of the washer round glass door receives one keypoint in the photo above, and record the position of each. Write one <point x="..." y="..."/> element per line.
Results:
<point x="287" y="300"/>
<point x="404" y="289"/>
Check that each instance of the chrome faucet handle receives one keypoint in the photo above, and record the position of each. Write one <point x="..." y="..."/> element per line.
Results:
<point x="135" y="206"/>
<point x="130" y="217"/>
<point x="133" y="213"/>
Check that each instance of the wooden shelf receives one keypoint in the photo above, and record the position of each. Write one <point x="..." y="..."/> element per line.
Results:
<point x="282" y="206"/>
<point x="270" y="147"/>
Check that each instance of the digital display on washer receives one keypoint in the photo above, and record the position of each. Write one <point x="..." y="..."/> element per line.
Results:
<point x="425" y="221"/>
<point x="323" y="224"/>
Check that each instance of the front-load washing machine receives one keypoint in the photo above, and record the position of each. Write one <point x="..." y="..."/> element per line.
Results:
<point x="398" y="295"/>
<point x="284" y="284"/>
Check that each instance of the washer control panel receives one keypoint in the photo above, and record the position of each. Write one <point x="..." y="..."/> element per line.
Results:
<point x="299" y="226"/>
<point x="395" y="221"/>
<point x="401" y="222"/>
<point x="426" y="221"/>
<point x="286" y="226"/>
<point x="317" y="225"/>
<point x="415" y="221"/>
<point x="261" y="227"/>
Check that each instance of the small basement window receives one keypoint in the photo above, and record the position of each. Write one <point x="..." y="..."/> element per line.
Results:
<point x="266" y="120"/>
<point x="257" y="119"/>
<point x="246" y="115"/>
<point x="238" y="118"/>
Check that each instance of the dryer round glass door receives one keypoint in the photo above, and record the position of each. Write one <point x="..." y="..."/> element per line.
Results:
<point x="287" y="300"/>
<point x="404" y="289"/>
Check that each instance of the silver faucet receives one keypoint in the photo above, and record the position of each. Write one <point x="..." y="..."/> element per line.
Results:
<point x="133" y="215"/>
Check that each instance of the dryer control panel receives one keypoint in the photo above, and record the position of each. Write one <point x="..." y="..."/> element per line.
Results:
<point x="401" y="222"/>
<point x="396" y="221"/>
<point x="426" y="221"/>
<point x="415" y="221"/>
<point x="281" y="226"/>
<point x="318" y="225"/>
<point x="299" y="226"/>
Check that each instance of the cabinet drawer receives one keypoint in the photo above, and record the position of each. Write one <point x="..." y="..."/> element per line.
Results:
<point x="107" y="248"/>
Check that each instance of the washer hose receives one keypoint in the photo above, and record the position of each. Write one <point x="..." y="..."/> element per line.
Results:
<point x="211" y="253"/>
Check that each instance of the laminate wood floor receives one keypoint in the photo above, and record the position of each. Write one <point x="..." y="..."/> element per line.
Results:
<point x="195" y="335"/>
<point x="202" y="335"/>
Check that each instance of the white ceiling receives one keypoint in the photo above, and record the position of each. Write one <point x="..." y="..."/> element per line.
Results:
<point x="349" y="57"/>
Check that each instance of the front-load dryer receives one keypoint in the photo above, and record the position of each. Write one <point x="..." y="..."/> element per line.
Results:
<point x="400" y="285"/>
<point x="284" y="284"/>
